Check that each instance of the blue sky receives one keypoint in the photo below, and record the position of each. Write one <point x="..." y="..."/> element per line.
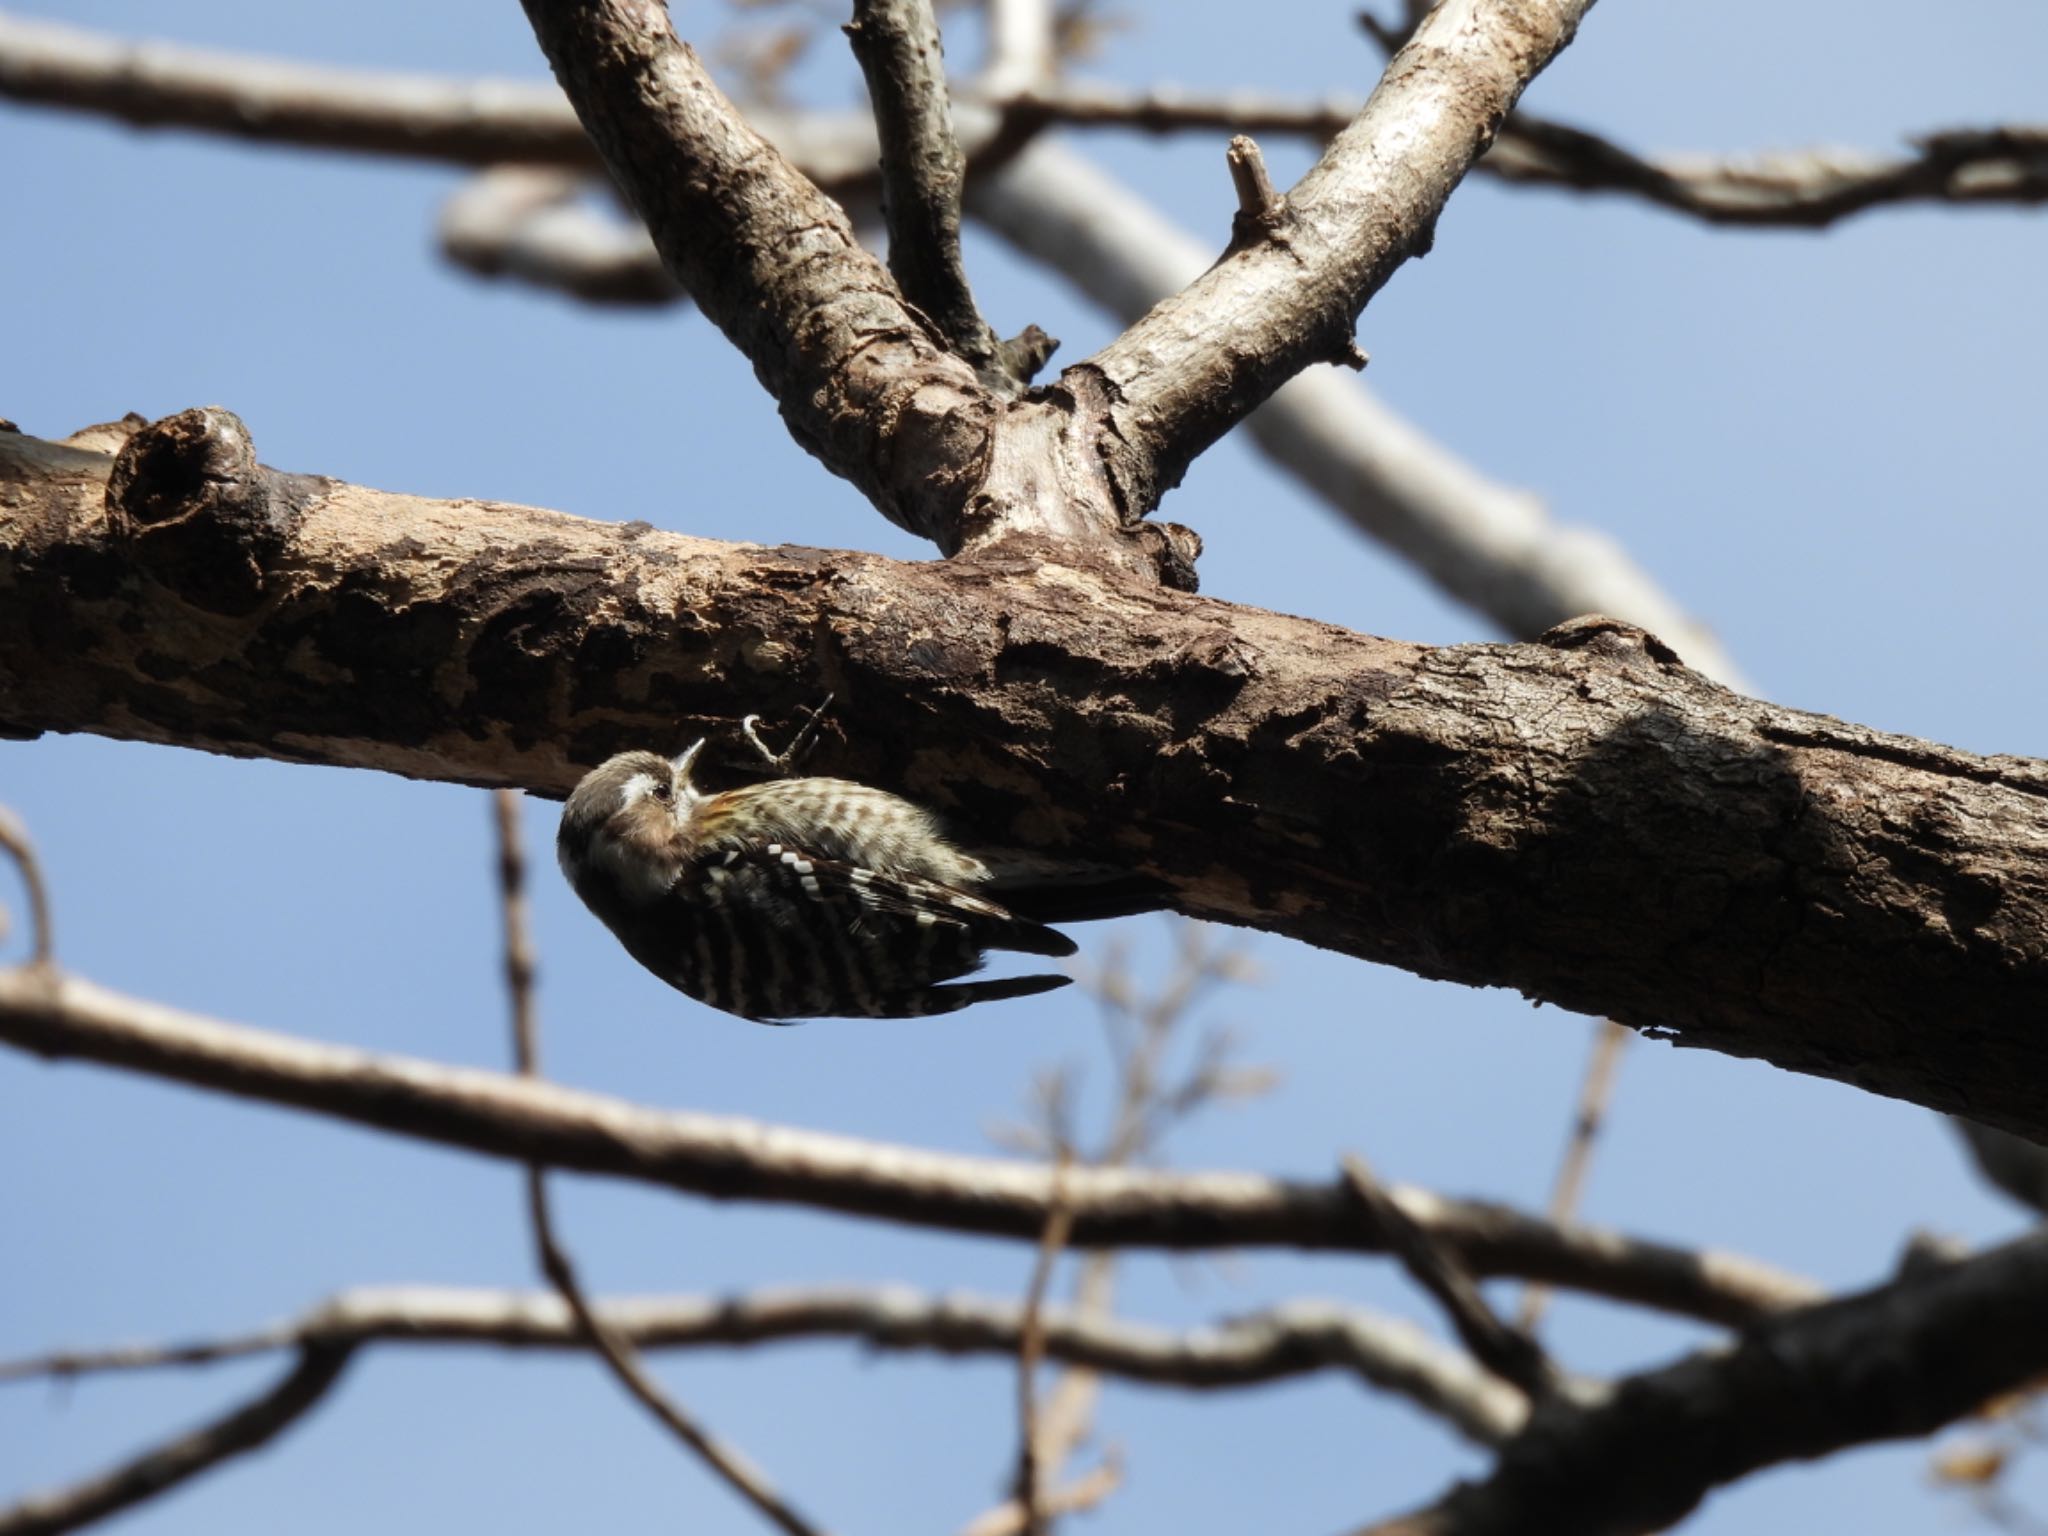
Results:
<point x="1826" y="445"/>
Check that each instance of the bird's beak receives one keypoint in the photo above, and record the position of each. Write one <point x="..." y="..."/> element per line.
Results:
<point x="682" y="762"/>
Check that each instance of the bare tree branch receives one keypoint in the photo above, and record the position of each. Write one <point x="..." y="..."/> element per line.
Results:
<point x="176" y="1461"/>
<point x="1021" y="54"/>
<point x="1206" y="358"/>
<point x="1511" y="1355"/>
<point x="770" y="260"/>
<point x="1488" y="545"/>
<point x="615" y="1349"/>
<point x="1897" y="1361"/>
<point x="485" y="122"/>
<point x="923" y="170"/>
<point x="1292" y="1339"/>
<point x="864" y="382"/>
<point x="1791" y="189"/>
<point x="1059" y="1226"/>
<point x="151" y="84"/>
<point x="1582" y="818"/>
<point x="1801" y="189"/>
<point x="1491" y="546"/>
<point x="15" y="843"/>
<point x="1070" y="1498"/>
<point x="1595" y="1092"/>
<point x="529" y="223"/>
<point x="734" y="1159"/>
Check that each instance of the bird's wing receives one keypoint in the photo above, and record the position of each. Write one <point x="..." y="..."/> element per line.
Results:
<point x="866" y="891"/>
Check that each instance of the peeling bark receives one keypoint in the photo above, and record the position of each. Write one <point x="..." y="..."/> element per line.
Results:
<point x="1582" y="818"/>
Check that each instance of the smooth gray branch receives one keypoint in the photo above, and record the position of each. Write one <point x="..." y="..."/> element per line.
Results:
<point x="1277" y="1343"/>
<point x="727" y="1158"/>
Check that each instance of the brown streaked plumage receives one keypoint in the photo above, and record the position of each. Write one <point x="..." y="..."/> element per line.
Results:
<point x="803" y="898"/>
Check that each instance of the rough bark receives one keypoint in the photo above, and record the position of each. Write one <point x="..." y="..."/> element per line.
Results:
<point x="1582" y="818"/>
<point x="1893" y="1363"/>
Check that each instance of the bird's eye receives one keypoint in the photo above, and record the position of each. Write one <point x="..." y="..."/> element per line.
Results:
<point x="661" y="792"/>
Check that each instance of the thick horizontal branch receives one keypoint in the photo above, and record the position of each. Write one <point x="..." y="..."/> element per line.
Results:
<point x="1582" y="818"/>
<point x="727" y="1158"/>
<point x="1292" y="1339"/>
<point x="1896" y="1362"/>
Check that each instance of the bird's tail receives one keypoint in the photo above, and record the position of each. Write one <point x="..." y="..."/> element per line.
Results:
<point x="951" y="998"/>
<point x="1045" y="889"/>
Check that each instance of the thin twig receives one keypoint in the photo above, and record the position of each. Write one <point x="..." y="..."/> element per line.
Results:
<point x="1278" y="1343"/>
<point x="612" y="1347"/>
<point x="1138" y="1032"/>
<point x="1595" y="1091"/>
<point x="14" y="839"/>
<point x="165" y="1466"/>
<point x="483" y="122"/>
<point x="1059" y="1224"/>
<point x="1258" y="205"/>
<point x="1511" y="1355"/>
<point x="1071" y="1498"/>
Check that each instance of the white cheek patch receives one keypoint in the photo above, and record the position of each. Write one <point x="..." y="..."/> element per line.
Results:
<point x="638" y="877"/>
<point x="638" y="788"/>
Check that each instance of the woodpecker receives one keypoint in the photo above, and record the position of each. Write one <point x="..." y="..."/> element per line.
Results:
<point x="801" y="898"/>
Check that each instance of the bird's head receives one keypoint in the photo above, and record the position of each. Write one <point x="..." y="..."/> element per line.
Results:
<point x="627" y="827"/>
